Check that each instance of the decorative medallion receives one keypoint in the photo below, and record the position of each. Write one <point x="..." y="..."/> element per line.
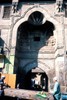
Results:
<point x="36" y="18"/>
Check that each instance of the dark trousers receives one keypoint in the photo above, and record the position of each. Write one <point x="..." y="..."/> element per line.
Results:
<point x="54" y="97"/>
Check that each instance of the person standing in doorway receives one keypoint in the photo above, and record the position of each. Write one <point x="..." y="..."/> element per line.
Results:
<point x="32" y="83"/>
<point x="44" y="84"/>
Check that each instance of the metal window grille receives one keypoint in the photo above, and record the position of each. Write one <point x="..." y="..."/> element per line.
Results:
<point x="66" y="10"/>
<point x="7" y="10"/>
<point x="0" y="9"/>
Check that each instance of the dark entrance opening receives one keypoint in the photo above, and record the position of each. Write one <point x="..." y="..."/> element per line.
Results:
<point x="43" y="84"/>
<point x="32" y="35"/>
<point x="43" y="81"/>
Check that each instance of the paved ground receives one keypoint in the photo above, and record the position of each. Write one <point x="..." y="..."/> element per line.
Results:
<point x="14" y="94"/>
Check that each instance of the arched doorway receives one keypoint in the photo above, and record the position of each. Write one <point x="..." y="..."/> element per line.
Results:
<point x="32" y="35"/>
<point x="32" y="77"/>
<point x="31" y="72"/>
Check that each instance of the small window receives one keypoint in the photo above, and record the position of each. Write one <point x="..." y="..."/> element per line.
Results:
<point x="0" y="9"/>
<point x="5" y="1"/>
<point x="65" y="10"/>
<point x="7" y="10"/>
<point x="36" y="39"/>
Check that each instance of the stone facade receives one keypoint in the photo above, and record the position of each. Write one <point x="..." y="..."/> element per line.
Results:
<point x="35" y="49"/>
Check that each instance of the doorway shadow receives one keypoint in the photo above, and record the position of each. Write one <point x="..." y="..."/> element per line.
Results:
<point x="30" y="39"/>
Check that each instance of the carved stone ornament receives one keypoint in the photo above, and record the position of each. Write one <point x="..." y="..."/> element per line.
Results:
<point x="36" y="18"/>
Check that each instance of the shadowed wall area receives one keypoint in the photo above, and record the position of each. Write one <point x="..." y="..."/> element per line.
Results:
<point x="32" y="35"/>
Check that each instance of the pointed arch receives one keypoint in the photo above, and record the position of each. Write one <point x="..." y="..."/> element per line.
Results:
<point x="25" y="17"/>
<point x="44" y="67"/>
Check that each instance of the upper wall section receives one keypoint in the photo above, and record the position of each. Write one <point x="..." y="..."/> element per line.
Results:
<point x="25" y="15"/>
